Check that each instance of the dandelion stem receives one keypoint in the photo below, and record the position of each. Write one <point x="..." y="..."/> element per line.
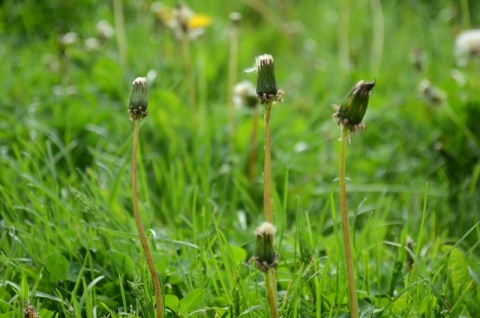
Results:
<point x="267" y="168"/>
<point x="252" y="155"/>
<point x="352" y="291"/>
<point x="138" y="222"/>
<point x="465" y="14"/>
<point x="378" y="36"/>
<point x="187" y="60"/>
<point x="270" y="277"/>
<point x="271" y="285"/>
<point x="343" y="45"/>
<point x="120" y="30"/>
<point x="232" y="74"/>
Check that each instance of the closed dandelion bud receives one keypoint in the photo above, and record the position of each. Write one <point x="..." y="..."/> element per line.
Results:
<point x="265" y="254"/>
<point x="138" y="106"/>
<point x="354" y="107"/>
<point x="266" y="80"/>
<point x="267" y="89"/>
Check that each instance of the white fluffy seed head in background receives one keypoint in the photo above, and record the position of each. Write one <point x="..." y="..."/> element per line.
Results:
<point x="467" y="45"/>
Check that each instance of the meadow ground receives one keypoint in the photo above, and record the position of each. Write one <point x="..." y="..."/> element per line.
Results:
<point x="68" y="242"/>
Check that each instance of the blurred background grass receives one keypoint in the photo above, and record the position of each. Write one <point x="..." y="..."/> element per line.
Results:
<point x="65" y="135"/>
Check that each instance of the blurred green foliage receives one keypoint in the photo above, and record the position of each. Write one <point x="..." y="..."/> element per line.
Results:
<point x="65" y="155"/>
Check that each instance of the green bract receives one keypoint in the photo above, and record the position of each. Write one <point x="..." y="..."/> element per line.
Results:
<point x="138" y="106"/>
<point x="266" y="80"/>
<point x="355" y="104"/>
<point x="265" y="256"/>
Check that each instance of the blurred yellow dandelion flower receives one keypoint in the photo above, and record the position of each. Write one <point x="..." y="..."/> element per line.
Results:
<point x="199" y="21"/>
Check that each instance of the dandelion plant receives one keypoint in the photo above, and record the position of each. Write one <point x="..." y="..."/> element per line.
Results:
<point x="349" y="118"/>
<point x="138" y="109"/>
<point x="269" y="94"/>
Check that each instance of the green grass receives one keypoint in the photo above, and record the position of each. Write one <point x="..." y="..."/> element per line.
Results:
<point x="68" y="244"/>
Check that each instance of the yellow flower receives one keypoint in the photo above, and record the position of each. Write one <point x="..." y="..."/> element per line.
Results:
<point x="199" y="21"/>
<point x="181" y="20"/>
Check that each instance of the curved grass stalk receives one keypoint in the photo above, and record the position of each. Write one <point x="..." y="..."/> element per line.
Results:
<point x="138" y="222"/>
<point x="352" y="290"/>
<point x="270" y="277"/>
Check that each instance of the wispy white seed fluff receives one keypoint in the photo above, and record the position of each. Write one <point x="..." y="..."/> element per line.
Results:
<point x="260" y="61"/>
<point x="140" y="81"/>
<point x="265" y="228"/>
<point x="264" y="59"/>
<point x="467" y="45"/>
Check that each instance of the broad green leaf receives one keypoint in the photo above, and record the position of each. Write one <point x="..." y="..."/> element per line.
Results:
<point x="5" y="295"/>
<point x="122" y="262"/>
<point x="172" y="302"/>
<point x="427" y="301"/>
<point x="458" y="267"/>
<point x="57" y="266"/>
<point x="45" y="313"/>
<point x="161" y="261"/>
<point x="191" y="301"/>
<point x="400" y="304"/>
<point x="239" y="254"/>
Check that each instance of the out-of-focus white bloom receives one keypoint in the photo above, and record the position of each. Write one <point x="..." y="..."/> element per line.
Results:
<point x="245" y="95"/>
<point x="187" y="23"/>
<point x="91" y="44"/>
<point x="151" y="76"/>
<point x="467" y="45"/>
<point x="181" y="20"/>
<point x="157" y="7"/>
<point x="182" y="14"/>
<point x="300" y="146"/>
<point x="459" y="77"/>
<point x="68" y="38"/>
<point x="105" y="30"/>
<point x="430" y="93"/>
<point x="64" y="90"/>
<point x="235" y="17"/>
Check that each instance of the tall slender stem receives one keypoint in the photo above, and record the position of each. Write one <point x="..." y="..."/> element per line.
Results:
<point x="352" y="290"/>
<point x="252" y="154"/>
<point x="120" y="30"/>
<point x="271" y="286"/>
<point x="343" y="45"/>
<point x="465" y="14"/>
<point x="267" y="168"/>
<point x="270" y="277"/>
<point x="187" y="60"/>
<point x="232" y="75"/>
<point x="377" y="37"/>
<point x="138" y="222"/>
